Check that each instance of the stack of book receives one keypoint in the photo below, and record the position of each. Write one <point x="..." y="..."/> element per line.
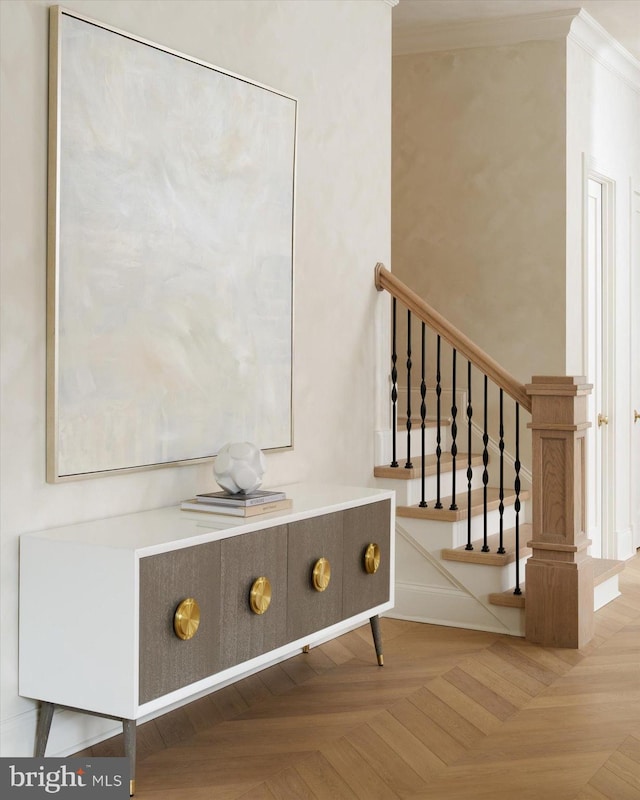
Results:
<point x="251" y="504"/>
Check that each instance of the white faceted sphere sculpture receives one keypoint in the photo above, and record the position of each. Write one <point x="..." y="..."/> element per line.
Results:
<point x="239" y="467"/>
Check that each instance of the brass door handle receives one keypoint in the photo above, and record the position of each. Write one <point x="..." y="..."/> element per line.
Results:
<point x="260" y="595"/>
<point x="636" y="416"/>
<point x="372" y="558"/>
<point x="321" y="574"/>
<point x="186" y="619"/>
<point x="602" y="420"/>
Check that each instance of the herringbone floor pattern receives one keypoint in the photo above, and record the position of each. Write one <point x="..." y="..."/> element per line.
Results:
<point x="453" y="715"/>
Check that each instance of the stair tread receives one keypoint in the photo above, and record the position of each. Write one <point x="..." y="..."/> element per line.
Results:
<point x="605" y="568"/>
<point x="492" y="558"/>
<point x="477" y="505"/>
<point x="403" y="473"/>
<point x="508" y="598"/>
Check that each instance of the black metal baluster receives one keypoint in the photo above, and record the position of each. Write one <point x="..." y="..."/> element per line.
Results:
<point x="408" y="465"/>
<point x="469" y="546"/>
<point x="438" y="504"/>
<point x="394" y="386"/>
<point x="454" y="433"/>
<point x="485" y="472"/>
<point x="517" y="503"/>
<point x="423" y="416"/>
<point x="501" y="549"/>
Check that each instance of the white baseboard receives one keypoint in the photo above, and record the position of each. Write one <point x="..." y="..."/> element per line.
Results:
<point x="70" y="732"/>
<point x="452" y="608"/>
<point x="382" y="446"/>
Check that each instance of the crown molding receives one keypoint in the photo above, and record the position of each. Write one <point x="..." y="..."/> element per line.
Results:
<point x="494" y="31"/>
<point x="391" y="3"/>
<point x="574" y="24"/>
<point x="600" y="45"/>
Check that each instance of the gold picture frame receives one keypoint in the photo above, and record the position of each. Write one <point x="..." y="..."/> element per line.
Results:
<point x="170" y="255"/>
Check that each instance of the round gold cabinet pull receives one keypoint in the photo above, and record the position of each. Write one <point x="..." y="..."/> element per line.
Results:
<point x="260" y="595"/>
<point x="186" y="619"/>
<point x="372" y="558"/>
<point x="321" y="574"/>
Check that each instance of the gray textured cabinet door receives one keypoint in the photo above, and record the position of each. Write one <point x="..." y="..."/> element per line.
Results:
<point x="244" y="558"/>
<point x="364" y="525"/>
<point x="309" y="540"/>
<point x="167" y="662"/>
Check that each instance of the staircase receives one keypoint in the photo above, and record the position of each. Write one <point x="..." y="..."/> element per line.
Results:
<point x="438" y="580"/>
<point x="462" y="538"/>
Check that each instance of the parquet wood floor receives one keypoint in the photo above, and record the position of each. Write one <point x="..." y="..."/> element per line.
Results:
<point x="453" y="715"/>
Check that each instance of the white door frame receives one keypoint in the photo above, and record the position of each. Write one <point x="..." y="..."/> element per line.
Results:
<point x="634" y="405"/>
<point x="607" y="433"/>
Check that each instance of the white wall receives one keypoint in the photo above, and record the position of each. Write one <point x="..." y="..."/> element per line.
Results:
<point x="334" y="57"/>
<point x="603" y="135"/>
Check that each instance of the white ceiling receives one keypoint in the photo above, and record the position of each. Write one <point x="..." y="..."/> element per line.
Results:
<point x="620" y="18"/>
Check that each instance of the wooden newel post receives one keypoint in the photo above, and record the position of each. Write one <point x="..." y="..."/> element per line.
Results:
<point x="559" y="573"/>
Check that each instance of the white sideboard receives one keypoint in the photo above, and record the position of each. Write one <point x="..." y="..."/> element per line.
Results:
<point x="101" y="629"/>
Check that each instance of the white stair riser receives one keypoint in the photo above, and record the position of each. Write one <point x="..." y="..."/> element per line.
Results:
<point x="482" y="580"/>
<point x="414" y="491"/>
<point x="435" y="535"/>
<point x="430" y="442"/>
<point x="605" y="592"/>
<point x="432" y="535"/>
<point x="493" y="524"/>
<point x="409" y="492"/>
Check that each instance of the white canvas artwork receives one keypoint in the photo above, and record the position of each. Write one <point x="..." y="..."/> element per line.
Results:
<point x="173" y="257"/>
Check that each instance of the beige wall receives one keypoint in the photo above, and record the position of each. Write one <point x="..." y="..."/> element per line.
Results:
<point x="478" y="188"/>
<point x="335" y="57"/>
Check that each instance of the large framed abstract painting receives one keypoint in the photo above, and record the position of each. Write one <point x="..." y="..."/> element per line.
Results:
<point x="170" y="255"/>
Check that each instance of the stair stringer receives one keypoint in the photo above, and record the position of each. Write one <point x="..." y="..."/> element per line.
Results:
<point x="427" y="590"/>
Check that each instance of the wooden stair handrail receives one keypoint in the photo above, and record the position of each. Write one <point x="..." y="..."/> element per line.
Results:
<point x="427" y="314"/>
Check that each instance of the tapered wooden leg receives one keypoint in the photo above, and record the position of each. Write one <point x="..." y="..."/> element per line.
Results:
<point x="129" y="730"/>
<point x="377" y="638"/>
<point x="45" y="715"/>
